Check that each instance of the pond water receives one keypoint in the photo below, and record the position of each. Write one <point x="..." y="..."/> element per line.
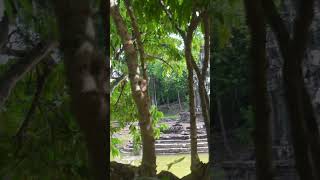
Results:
<point x="180" y="169"/>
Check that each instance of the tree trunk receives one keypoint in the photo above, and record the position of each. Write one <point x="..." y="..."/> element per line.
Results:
<point x="211" y="145"/>
<point x="204" y="105"/>
<point x="313" y="131"/>
<point x="204" y="99"/>
<point x="298" y="126"/>
<point x="87" y="78"/>
<point x="305" y="132"/>
<point x="155" y="92"/>
<point x="262" y="131"/>
<point x="187" y="38"/>
<point x="168" y="103"/>
<point x="195" y="161"/>
<point x="193" y="125"/>
<point x="179" y="100"/>
<point x="302" y="34"/>
<point x="223" y="131"/>
<point x="201" y="75"/>
<point x="140" y="95"/>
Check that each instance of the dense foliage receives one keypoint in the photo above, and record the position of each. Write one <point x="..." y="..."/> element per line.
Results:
<point x="40" y="136"/>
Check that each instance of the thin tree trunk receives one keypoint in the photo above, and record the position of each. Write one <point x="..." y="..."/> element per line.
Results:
<point x="155" y="92"/>
<point x="201" y="75"/>
<point x="212" y="109"/>
<point x="118" y="81"/>
<point x="204" y="106"/>
<point x="204" y="99"/>
<point x="140" y="94"/>
<point x="262" y="131"/>
<point x="87" y="78"/>
<point x="223" y="130"/>
<point x="193" y="125"/>
<point x="187" y="38"/>
<point x="179" y="100"/>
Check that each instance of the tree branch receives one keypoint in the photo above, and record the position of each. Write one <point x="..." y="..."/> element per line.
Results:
<point x="137" y="34"/>
<point x="169" y="14"/>
<point x="118" y="52"/>
<point x="195" y="20"/>
<point x="195" y="67"/>
<point x="126" y="41"/>
<point x="17" y="71"/>
<point x="121" y="92"/>
<point x="118" y="80"/>
<point x="40" y="85"/>
<point x="161" y="59"/>
<point x="206" y="23"/>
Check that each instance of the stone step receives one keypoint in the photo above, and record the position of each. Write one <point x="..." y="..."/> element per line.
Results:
<point x="175" y="136"/>
<point x="187" y="153"/>
<point x="175" y="145"/>
<point x="168" y="153"/>
<point x="169" y="150"/>
<point x="166" y="141"/>
<point x="175" y="141"/>
<point x="179" y="136"/>
<point x="179" y="150"/>
<point x="186" y="132"/>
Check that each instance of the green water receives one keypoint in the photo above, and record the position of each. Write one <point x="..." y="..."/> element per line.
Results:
<point x="180" y="169"/>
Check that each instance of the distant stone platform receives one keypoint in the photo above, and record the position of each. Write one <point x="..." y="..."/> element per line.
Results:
<point x="176" y="139"/>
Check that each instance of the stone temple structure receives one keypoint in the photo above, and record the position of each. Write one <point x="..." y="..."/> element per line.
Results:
<point x="244" y="168"/>
<point x="176" y="139"/>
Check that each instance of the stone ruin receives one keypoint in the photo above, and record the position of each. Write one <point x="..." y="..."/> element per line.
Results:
<point x="176" y="139"/>
<point x="185" y="116"/>
<point x="244" y="167"/>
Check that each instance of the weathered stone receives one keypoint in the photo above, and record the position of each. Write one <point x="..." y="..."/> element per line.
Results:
<point x="185" y="116"/>
<point x="176" y="139"/>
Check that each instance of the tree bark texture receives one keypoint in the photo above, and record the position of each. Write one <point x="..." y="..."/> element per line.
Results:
<point x="189" y="58"/>
<point x="140" y="95"/>
<point x="87" y="78"/>
<point x="193" y="124"/>
<point x="304" y="129"/>
<point x="262" y="131"/>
